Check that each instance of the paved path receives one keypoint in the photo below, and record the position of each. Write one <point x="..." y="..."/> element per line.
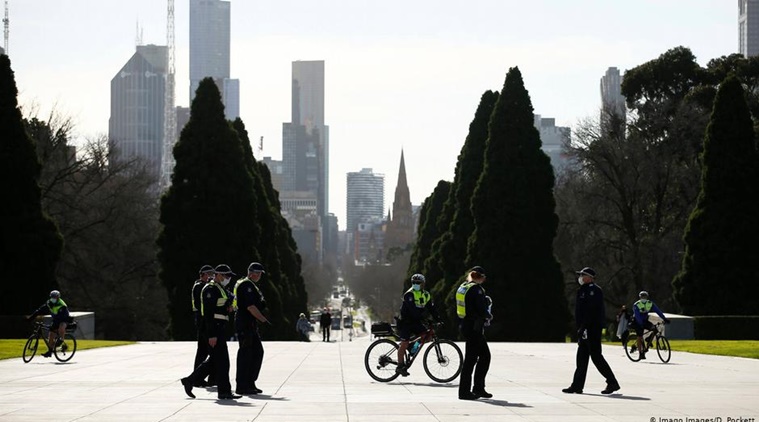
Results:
<point x="313" y="382"/>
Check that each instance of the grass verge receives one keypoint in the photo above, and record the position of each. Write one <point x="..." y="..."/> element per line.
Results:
<point x="737" y="348"/>
<point x="13" y="348"/>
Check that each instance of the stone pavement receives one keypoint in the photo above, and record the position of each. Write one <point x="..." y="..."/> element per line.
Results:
<point x="318" y="381"/>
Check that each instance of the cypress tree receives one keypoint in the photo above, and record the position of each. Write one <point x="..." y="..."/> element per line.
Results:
<point x="515" y="224"/>
<point x="451" y="249"/>
<point x="209" y="212"/>
<point x="719" y="275"/>
<point x="31" y="242"/>
<point x="427" y="232"/>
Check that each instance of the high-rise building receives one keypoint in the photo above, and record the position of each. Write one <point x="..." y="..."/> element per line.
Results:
<point x="400" y="225"/>
<point x="210" y="51"/>
<point x="612" y="100"/>
<point x="552" y="139"/>
<point x="365" y="198"/>
<point x="137" y="99"/>
<point x="748" y="27"/>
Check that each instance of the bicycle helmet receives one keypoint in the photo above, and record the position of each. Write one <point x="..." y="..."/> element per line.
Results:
<point x="55" y="294"/>
<point x="643" y="294"/>
<point x="417" y="279"/>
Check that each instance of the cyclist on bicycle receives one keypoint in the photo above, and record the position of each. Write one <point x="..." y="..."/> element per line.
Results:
<point x="417" y="305"/>
<point x="56" y="307"/>
<point x="641" y="308"/>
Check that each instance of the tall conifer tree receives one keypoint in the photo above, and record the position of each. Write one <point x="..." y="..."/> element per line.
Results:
<point x="30" y="240"/>
<point x="719" y="274"/>
<point x="427" y="232"/>
<point x="209" y="213"/>
<point x="515" y="224"/>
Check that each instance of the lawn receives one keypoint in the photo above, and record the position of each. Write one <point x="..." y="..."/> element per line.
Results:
<point x="738" y="348"/>
<point x="13" y="348"/>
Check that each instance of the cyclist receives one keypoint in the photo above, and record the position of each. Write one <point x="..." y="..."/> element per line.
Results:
<point x="56" y="307"/>
<point x="417" y="305"/>
<point x="641" y="308"/>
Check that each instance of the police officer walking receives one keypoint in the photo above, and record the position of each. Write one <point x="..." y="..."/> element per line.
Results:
<point x="472" y="308"/>
<point x="216" y="304"/>
<point x="249" y="302"/>
<point x="206" y="273"/>
<point x="590" y="317"/>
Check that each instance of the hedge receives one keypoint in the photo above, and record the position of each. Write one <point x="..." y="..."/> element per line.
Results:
<point x="726" y="327"/>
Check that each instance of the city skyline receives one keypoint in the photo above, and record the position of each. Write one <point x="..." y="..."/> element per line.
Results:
<point x="394" y="81"/>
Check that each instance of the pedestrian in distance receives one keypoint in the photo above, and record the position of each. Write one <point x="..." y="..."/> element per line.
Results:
<point x="216" y="305"/>
<point x="205" y="274"/>
<point x="250" y="303"/>
<point x="473" y="310"/>
<point x="57" y="308"/>
<point x="303" y="327"/>
<point x="590" y="317"/>
<point x="325" y="323"/>
<point x="416" y="308"/>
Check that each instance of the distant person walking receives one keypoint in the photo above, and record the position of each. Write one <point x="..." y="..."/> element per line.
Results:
<point x="473" y="310"/>
<point x="250" y="304"/>
<point x="206" y="273"/>
<point x="215" y="309"/>
<point x="325" y="323"/>
<point x="303" y="327"/>
<point x="590" y="317"/>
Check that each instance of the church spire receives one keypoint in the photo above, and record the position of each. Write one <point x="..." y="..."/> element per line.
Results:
<point x="401" y="189"/>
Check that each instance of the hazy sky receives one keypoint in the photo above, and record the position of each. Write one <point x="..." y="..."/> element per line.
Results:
<point x="399" y="74"/>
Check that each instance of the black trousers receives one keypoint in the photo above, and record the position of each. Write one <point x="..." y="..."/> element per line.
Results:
<point x="590" y="348"/>
<point x="477" y="360"/>
<point x="217" y="365"/>
<point x="325" y="333"/>
<point x="258" y="357"/>
<point x="201" y="352"/>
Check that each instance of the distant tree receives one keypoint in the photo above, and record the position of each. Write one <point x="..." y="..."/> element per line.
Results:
<point x="515" y="224"/>
<point x="30" y="240"/>
<point x="722" y="232"/>
<point x="450" y="250"/>
<point x="209" y="212"/>
<point x="427" y="231"/>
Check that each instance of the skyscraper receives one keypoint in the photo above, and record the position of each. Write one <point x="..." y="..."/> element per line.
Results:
<point x="748" y="27"/>
<point x="612" y="99"/>
<point x="137" y="99"/>
<point x="365" y="198"/>
<point x="210" y="51"/>
<point x="552" y="139"/>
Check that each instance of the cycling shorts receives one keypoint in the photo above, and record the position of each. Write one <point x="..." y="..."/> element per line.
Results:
<point x="407" y="330"/>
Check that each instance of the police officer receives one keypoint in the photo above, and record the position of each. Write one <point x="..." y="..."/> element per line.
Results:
<point x="56" y="307"/>
<point x="206" y="273"/>
<point x="472" y="308"/>
<point x="641" y="308"/>
<point x="590" y="317"/>
<point x="249" y="302"/>
<point x="216" y="304"/>
<point x="417" y="304"/>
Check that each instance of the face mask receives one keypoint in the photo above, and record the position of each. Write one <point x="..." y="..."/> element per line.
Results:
<point x="644" y="300"/>
<point x="53" y="300"/>
<point x="416" y="287"/>
<point x="225" y="281"/>
<point x="579" y="280"/>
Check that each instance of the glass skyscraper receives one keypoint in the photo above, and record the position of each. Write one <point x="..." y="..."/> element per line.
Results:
<point x="748" y="27"/>
<point x="365" y="198"/>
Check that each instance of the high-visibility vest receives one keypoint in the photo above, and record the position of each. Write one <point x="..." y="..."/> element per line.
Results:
<point x="421" y="297"/>
<point x="238" y="284"/>
<point x="461" y="298"/>
<point x="54" y="308"/>
<point x="644" y="307"/>
<point x="220" y="311"/>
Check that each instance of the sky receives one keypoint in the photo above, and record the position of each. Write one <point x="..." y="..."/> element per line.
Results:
<point x="400" y="75"/>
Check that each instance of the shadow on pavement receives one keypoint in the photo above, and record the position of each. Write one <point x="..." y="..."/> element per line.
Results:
<point x="618" y="396"/>
<point x="267" y="397"/>
<point x="234" y="403"/>
<point x="502" y="403"/>
<point x="431" y="384"/>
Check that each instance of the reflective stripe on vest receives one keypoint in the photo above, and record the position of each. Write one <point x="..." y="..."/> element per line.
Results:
<point x="219" y="301"/>
<point x="421" y="297"/>
<point x="234" y="292"/>
<point x="54" y="308"/>
<point x="461" y="298"/>
<point x="644" y="307"/>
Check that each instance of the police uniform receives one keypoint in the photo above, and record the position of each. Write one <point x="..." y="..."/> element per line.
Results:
<point x="590" y="317"/>
<point x="202" y="348"/>
<point x="215" y="303"/>
<point x="415" y="304"/>
<point x="472" y="310"/>
<point x="250" y="354"/>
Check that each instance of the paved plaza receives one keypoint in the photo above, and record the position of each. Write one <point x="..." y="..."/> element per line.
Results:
<point x="313" y="382"/>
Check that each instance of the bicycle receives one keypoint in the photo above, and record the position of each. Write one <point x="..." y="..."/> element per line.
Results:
<point x="630" y="343"/>
<point x="442" y="359"/>
<point x="63" y="350"/>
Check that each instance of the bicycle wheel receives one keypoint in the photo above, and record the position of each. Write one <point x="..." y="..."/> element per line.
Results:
<point x="443" y="361"/>
<point x="662" y="349"/>
<point x="30" y="348"/>
<point x="381" y="360"/>
<point x="66" y="349"/>
<point x="631" y="347"/>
